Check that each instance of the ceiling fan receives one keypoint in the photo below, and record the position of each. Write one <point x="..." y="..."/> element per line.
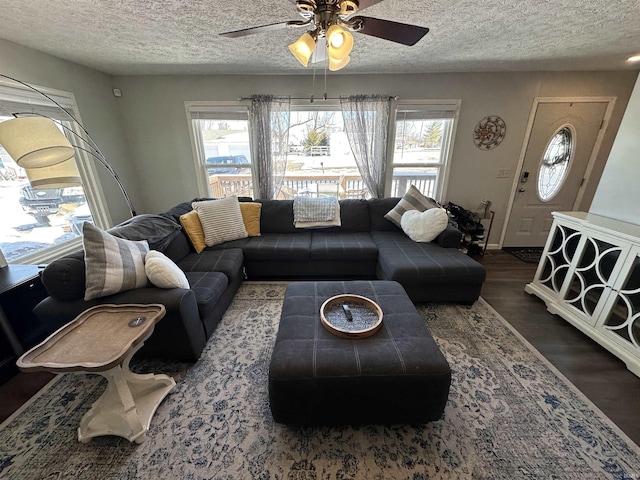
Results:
<point x="334" y="20"/>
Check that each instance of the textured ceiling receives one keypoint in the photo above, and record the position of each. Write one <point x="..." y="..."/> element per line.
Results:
<point x="181" y="37"/>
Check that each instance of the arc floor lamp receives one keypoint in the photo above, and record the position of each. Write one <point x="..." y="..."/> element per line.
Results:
<point x="38" y="144"/>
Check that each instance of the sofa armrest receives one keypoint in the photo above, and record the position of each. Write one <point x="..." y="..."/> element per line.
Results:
<point x="179" y="335"/>
<point x="450" y="238"/>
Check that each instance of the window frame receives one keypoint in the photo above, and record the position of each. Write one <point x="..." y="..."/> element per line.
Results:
<point x="438" y="109"/>
<point x="12" y="91"/>
<point x="569" y="162"/>
<point x="198" y="110"/>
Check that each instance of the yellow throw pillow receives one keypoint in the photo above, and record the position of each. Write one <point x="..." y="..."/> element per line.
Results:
<point x="192" y="226"/>
<point x="251" y="217"/>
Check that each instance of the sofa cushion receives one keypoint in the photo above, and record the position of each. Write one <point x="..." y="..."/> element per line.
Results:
<point x="178" y="248"/>
<point x="279" y="246"/>
<point x="378" y="208"/>
<point x="354" y="216"/>
<point x="240" y="243"/>
<point x="208" y="288"/>
<point x="221" y="220"/>
<point x="112" y="264"/>
<point x="64" y="277"/>
<point x="342" y="245"/>
<point x="277" y="216"/>
<point x="408" y="262"/>
<point x="227" y="261"/>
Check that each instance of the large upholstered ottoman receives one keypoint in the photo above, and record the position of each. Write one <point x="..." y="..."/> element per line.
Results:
<point x="398" y="375"/>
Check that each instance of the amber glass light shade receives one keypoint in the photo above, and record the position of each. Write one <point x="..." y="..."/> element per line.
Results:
<point x="303" y="48"/>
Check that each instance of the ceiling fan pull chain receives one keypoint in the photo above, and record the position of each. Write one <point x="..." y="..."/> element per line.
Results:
<point x="313" y="85"/>
<point x="325" y="82"/>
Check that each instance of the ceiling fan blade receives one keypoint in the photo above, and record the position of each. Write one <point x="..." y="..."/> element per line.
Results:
<point x="393" y="31"/>
<point x="264" y="28"/>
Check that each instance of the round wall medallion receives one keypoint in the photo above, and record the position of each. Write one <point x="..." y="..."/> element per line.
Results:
<point x="489" y="132"/>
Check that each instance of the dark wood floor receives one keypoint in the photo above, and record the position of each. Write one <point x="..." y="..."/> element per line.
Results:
<point x="597" y="373"/>
<point x="603" y="378"/>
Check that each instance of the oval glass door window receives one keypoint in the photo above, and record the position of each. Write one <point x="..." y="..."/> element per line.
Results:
<point x="555" y="162"/>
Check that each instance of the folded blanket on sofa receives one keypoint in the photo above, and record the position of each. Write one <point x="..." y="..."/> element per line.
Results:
<point x="307" y="209"/>
<point x="158" y="230"/>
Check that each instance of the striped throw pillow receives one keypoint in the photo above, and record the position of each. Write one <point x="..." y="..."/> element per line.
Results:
<point x="221" y="220"/>
<point x="412" y="200"/>
<point x="112" y="264"/>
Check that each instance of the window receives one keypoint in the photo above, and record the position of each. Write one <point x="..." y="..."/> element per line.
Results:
<point x="221" y="145"/>
<point x="319" y="161"/>
<point x="422" y="146"/>
<point x="39" y="223"/>
<point x="319" y="158"/>
<point x="555" y="162"/>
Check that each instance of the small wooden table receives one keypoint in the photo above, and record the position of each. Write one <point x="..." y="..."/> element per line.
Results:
<point x="102" y="340"/>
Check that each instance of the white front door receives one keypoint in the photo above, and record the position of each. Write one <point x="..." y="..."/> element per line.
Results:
<point x="562" y="139"/>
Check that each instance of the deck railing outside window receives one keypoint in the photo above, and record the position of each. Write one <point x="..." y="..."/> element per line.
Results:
<point x="341" y="186"/>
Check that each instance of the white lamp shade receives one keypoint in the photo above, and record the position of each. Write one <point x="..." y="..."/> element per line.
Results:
<point x="61" y="175"/>
<point x="303" y="48"/>
<point x="339" y="42"/>
<point x="335" y="65"/>
<point x="34" y="142"/>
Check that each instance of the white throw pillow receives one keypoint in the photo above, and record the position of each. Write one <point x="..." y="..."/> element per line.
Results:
<point x="162" y="272"/>
<point x="221" y="220"/>
<point x="424" y="226"/>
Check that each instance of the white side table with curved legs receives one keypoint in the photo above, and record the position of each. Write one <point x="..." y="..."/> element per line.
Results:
<point x="102" y="340"/>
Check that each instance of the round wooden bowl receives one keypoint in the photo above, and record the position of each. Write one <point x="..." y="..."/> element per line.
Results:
<point x="366" y="316"/>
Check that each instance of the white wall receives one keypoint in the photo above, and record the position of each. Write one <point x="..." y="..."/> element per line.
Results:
<point x="154" y="114"/>
<point x="98" y="110"/>
<point x="618" y="194"/>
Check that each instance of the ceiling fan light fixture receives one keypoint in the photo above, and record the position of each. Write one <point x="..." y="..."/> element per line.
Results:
<point x="347" y="7"/>
<point x="303" y="48"/>
<point x="339" y="42"/>
<point x="337" y="64"/>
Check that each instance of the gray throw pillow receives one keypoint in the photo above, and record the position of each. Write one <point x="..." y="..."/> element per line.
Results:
<point x="112" y="264"/>
<point x="412" y="200"/>
<point x="221" y="220"/>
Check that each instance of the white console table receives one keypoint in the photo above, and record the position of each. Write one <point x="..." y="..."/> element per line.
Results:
<point x="589" y="274"/>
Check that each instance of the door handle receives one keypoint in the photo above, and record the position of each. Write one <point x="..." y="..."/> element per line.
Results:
<point x="521" y="189"/>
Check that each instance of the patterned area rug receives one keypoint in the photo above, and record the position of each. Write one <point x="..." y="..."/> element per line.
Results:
<point x="510" y="416"/>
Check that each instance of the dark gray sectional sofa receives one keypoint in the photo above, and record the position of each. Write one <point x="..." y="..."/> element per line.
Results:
<point x="365" y="246"/>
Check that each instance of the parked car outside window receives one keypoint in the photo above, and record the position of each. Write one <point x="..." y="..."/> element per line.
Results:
<point x="42" y="202"/>
<point x="232" y="160"/>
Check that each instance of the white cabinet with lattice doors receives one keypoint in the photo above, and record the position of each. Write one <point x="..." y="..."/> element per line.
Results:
<point x="589" y="274"/>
